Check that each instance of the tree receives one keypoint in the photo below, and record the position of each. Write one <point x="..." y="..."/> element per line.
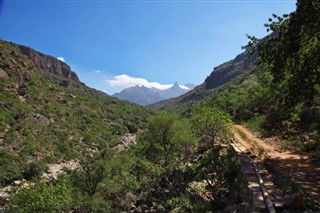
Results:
<point x="164" y="138"/>
<point x="95" y="167"/>
<point x="55" y="196"/>
<point x="212" y="123"/>
<point x="291" y="53"/>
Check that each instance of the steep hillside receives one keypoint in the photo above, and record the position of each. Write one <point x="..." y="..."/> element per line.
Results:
<point x="47" y="114"/>
<point x="220" y="76"/>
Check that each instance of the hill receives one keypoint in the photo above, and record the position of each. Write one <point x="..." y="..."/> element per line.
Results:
<point x="48" y="115"/>
<point x="221" y="75"/>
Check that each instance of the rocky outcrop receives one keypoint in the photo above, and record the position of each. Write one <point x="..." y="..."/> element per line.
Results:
<point x="13" y="64"/>
<point x="3" y="74"/>
<point x="55" y="170"/>
<point x="49" y="63"/>
<point x="126" y="141"/>
<point x="39" y="119"/>
<point x="229" y="70"/>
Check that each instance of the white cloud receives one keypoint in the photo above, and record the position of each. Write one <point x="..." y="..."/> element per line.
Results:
<point x="184" y="87"/>
<point x="97" y="71"/>
<point x="61" y="59"/>
<point x="125" y="81"/>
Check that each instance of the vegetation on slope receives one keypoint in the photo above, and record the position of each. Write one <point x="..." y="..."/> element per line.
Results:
<point x="42" y="120"/>
<point x="275" y="89"/>
<point x="177" y="164"/>
<point x="48" y="116"/>
<point x="169" y="169"/>
<point x="290" y="55"/>
<point x="220" y="76"/>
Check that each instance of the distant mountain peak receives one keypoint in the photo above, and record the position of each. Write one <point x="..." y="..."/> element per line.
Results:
<point x="190" y="86"/>
<point x="176" y="86"/>
<point x="145" y="96"/>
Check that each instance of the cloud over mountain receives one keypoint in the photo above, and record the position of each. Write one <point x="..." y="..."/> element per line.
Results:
<point x="61" y="59"/>
<point x="126" y="81"/>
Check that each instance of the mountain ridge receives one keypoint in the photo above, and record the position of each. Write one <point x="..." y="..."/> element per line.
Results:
<point x="219" y="76"/>
<point x="48" y="62"/>
<point x="145" y="96"/>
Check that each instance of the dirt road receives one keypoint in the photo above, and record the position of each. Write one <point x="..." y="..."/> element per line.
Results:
<point x="297" y="167"/>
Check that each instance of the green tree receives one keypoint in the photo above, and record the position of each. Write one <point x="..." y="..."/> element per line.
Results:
<point x="164" y="137"/>
<point x="55" y="196"/>
<point x="184" y="138"/>
<point x="291" y="53"/>
<point x="212" y="123"/>
<point x="95" y="167"/>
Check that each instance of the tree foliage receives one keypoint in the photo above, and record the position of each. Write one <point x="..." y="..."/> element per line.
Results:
<point x="53" y="196"/>
<point x="291" y="53"/>
<point x="166" y="137"/>
<point x="212" y="123"/>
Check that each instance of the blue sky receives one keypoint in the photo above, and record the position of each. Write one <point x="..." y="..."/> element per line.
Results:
<point x="111" y="43"/>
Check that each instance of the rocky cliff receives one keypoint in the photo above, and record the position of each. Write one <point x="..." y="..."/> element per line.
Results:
<point x="229" y="70"/>
<point x="220" y="76"/>
<point x="49" y="63"/>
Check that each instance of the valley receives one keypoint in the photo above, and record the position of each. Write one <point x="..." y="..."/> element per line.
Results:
<point x="245" y="140"/>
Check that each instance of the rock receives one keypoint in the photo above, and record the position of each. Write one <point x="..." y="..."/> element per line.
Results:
<point x="23" y="90"/>
<point x="39" y="119"/>
<point x="294" y="201"/>
<point x="130" y="198"/>
<point x="4" y="195"/>
<point x="55" y="169"/>
<point x="49" y="63"/>
<point x="65" y="83"/>
<point x="72" y="96"/>
<point x="17" y="182"/>
<point x="3" y="74"/>
<point x="278" y="205"/>
<point x="20" y="115"/>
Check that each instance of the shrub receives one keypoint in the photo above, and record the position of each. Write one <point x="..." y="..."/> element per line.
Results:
<point x="53" y="196"/>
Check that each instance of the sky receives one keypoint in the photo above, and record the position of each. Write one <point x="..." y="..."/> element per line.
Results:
<point x="112" y="45"/>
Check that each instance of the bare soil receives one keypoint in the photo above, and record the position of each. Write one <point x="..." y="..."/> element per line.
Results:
<point x="287" y="166"/>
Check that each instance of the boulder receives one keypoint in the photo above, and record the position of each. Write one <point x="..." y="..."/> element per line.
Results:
<point x="65" y="83"/>
<point x="3" y="74"/>
<point x="37" y="118"/>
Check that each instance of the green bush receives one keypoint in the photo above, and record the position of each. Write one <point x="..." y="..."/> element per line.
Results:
<point x="34" y="169"/>
<point x="9" y="170"/>
<point x="43" y="197"/>
<point x="256" y="123"/>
